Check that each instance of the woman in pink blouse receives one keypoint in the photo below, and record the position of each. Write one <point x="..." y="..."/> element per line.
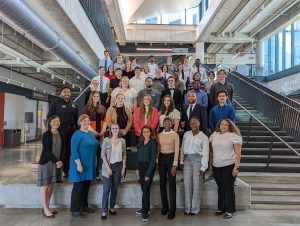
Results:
<point x="145" y="115"/>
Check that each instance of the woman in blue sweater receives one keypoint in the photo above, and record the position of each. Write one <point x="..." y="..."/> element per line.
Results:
<point x="82" y="166"/>
<point x="147" y="150"/>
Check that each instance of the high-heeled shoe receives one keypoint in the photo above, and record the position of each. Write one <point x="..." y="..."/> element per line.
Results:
<point x="50" y="216"/>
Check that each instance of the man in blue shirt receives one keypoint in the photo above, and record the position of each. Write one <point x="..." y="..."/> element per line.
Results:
<point x="106" y="61"/>
<point x="202" y="98"/>
<point x="221" y="111"/>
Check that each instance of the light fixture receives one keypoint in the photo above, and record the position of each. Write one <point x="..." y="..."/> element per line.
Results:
<point x="78" y="77"/>
<point x="52" y="76"/>
<point x="52" y="93"/>
<point x="236" y="55"/>
<point x="73" y="86"/>
<point x="44" y="91"/>
<point x="8" y="81"/>
<point x="22" y="85"/>
<point x="64" y="82"/>
<point x="80" y="89"/>
<point x="18" y="60"/>
<point x="38" y="70"/>
<point x="34" y="88"/>
<point x="154" y="49"/>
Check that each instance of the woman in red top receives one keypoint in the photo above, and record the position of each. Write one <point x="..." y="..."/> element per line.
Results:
<point x="145" y="115"/>
<point x="110" y="74"/>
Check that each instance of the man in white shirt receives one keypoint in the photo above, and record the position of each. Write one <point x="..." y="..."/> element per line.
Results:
<point x="171" y="67"/>
<point x="152" y="66"/>
<point x="119" y="63"/>
<point x="103" y="87"/>
<point x="137" y="82"/>
<point x="194" y="158"/>
<point x="197" y="67"/>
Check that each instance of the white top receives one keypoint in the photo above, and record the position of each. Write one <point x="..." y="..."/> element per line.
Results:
<point x="137" y="84"/>
<point x="202" y="72"/>
<point x="129" y="94"/>
<point x="195" y="144"/>
<point x="175" y="114"/>
<point x="187" y="70"/>
<point x="116" y="153"/>
<point x="152" y="68"/>
<point x="223" y="150"/>
<point x="105" y="83"/>
<point x="146" y="75"/>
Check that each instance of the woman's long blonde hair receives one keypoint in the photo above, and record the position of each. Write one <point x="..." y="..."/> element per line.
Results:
<point x="143" y="110"/>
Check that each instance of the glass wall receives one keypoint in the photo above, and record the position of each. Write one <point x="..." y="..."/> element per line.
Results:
<point x="282" y="50"/>
<point x="191" y="16"/>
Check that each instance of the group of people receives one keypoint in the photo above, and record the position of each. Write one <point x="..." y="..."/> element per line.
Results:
<point x="169" y="112"/>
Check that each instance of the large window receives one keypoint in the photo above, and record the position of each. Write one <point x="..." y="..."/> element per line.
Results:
<point x="282" y="50"/>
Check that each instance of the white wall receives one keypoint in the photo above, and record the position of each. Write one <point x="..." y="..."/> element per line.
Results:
<point x="31" y="106"/>
<point x="229" y="59"/>
<point x="14" y="112"/>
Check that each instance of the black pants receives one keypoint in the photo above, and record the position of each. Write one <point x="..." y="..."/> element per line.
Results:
<point x="225" y="182"/>
<point x="67" y="134"/>
<point x="98" y="160"/>
<point x="103" y="98"/>
<point x="79" y="196"/>
<point x="145" y="186"/>
<point x="165" y="165"/>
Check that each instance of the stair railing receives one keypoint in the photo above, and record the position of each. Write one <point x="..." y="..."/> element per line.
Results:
<point x="274" y="135"/>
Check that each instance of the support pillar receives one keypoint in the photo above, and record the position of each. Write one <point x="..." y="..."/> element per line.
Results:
<point x="200" y="51"/>
<point x="259" y="58"/>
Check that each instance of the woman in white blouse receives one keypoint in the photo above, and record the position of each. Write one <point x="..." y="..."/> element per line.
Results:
<point x="168" y="110"/>
<point x="129" y="93"/>
<point x="113" y="167"/>
<point x="194" y="161"/>
<point x="225" y="156"/>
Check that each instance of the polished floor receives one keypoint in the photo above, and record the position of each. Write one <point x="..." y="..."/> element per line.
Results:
<point x="33" y="217"/>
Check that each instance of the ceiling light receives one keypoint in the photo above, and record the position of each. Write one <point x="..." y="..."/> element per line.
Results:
<point x="154" y="49"/>
<point x="38" y="70"/>
<point x="236" y="55"/>
<point x="34" y="88"/>
<point x="73" y="86"/>
<point x="18" y="60"/>
<point x="78" y="77"/>
<point x="80" y="89"/>
<point x="44" y="91"/>
<point x="52" y="76"/>
<point x="8" y="81"/>
<point x="22" y="85"/>
<point x="64" y="82"/>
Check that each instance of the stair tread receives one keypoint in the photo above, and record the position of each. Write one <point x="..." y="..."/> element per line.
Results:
<point x="263" y="149"/>
<point x="268" y="174"/>
<point x="272" y="157"/>
<point x="286" y="165"/>
<point x="271" y="187"/>
<point x="275" y="199"/>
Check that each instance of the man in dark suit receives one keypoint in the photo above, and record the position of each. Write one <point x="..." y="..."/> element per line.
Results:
<point x="175" y="93"/>
<point x="193" y="110"/>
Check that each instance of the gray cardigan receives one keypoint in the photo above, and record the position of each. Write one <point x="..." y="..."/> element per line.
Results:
<point x="106" y="150"/>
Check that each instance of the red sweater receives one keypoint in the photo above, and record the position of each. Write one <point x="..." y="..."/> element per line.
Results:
<point x="152" y="123"/>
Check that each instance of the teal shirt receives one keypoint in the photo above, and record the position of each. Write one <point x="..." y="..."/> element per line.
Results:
<point x="84" y="147"/>
<point x="147" y="153"/>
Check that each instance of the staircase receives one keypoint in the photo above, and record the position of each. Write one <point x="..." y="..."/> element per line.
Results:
<point x="256" y="147"/>
<point x="277" y="187"/>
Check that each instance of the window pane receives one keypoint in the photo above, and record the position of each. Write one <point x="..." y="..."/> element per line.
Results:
<point x="151" y="20"/>
<point x="297" y="42"/>
<point x="266" y="61"/>
<point x="288" y="47"/>
<point x="280" y="68"/>
<point x="192" y="15"/>
<point x="272" y="55"/>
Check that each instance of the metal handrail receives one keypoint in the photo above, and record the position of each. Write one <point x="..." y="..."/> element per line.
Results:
<point x="266" y="127"/>
<point x="264" y="92"/>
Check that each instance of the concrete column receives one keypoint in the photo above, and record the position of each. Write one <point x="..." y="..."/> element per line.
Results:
<point x="259" y="58"/>
<point x="200" y="51"/>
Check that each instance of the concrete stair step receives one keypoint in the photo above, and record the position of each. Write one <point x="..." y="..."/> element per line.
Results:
<point x="273" y="167"/>
<point x="275" y="200"/>
<point x="266" y="189"/>
<point x="274" y="159"/>
<point x="265" y="151"/>
<point x="255" y="124"/>
<point x="263" y="144"/>
<point x="267" y="138"/>
<point x="261" y="132"/>
<point x="270" y="178"/>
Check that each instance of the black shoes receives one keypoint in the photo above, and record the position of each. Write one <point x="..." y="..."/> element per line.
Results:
<point x="228" y="215"/>
<point x="87" y="210"/>
<point x="145" y="217"/>
<point x="112" y="212"/>
<point x="219" y="212"/>
<point x="78" y="214"/>
<point x="171" y="216"/>
<point x="103" y="217"/>
<point x="164" y="212"/>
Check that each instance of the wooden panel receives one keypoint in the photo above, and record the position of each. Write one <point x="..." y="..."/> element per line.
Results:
<point x="1" y="117"/>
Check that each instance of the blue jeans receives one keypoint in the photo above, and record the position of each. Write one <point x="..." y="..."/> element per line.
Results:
<point x="110" y="185"/>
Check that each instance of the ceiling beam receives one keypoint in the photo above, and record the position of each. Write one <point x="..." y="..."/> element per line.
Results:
<point x="287" y="5"/>
<point x="239" y="38"/>
<point x="236" y="11"/>
<point x="253" y="15"/>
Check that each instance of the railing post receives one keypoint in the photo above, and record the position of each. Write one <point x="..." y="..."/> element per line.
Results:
<point x="249" y="128"/>
<point x="269" y="154"/>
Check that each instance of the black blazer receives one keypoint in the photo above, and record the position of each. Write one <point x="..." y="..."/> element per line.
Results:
<point x="47" y="154"/>
<point x="177" y="97"/>
<point x="199" y="112"/>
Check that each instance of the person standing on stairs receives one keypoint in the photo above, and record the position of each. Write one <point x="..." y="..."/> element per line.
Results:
<point x="224" y="162"/>
<point x="221" y="111"/>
